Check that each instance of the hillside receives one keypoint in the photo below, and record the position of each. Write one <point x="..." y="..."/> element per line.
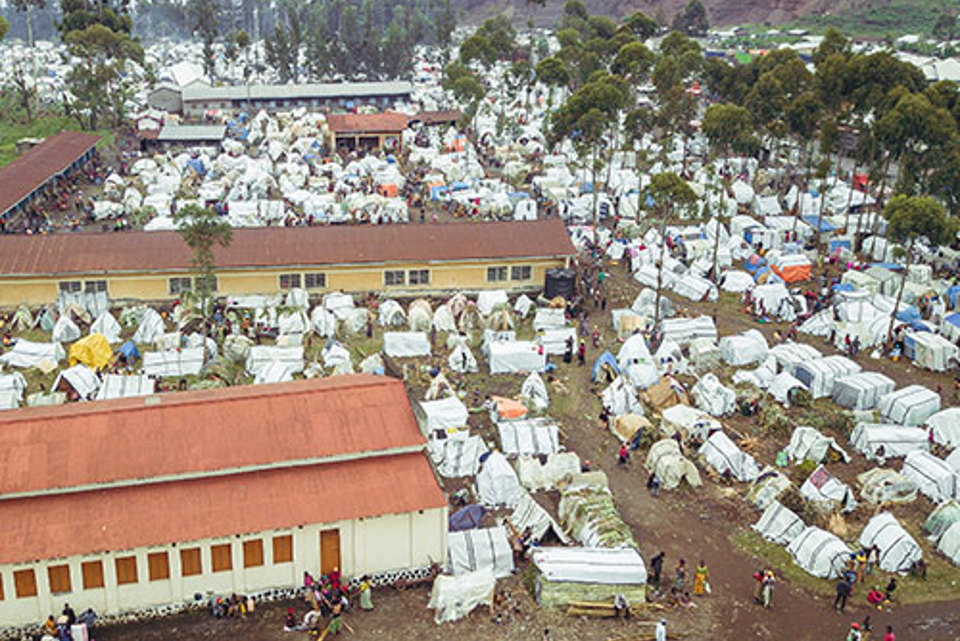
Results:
<point x="722" y="12"/>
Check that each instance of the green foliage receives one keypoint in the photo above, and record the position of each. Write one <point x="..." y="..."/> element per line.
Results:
<point x="642" y="25"/>
<point x="729" y="127"/>
<point x="633" y="61"/>
<point x="945" y="27"/>
<point x="692" y="19"/>
<point x="202" y="231"/>
<point x="671" y="194"/>
<point x="833" y="43"/>
<point x="803" y="471"/>
<point x="590" y="110"/>
<point x="553" y="72"/>
<point x="79" y="15"/>
<point x="773" y="420"/>
<point x="204" y="16"/>
<point x="4" y="27"/>
<point x="828" y="417"/>
<point x="910" y="218"/>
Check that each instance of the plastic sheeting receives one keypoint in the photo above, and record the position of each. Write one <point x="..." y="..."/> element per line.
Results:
<point x="29" y="354"/>
<point x="462" y="360"/>
<point x="445" y="413"/>
<point x="823" y="487"/>
<point x="82" y="379"/>
<point x="744" y="349"/>
<point x="909" y="406"/>
<point x="454" y="597"/>
<point x="591" y="565"/>
<point x="819" y="553"/>
<point x="819" y="376"/>
<point x="712" y="397"/>
<point x="529" y="437"/>
<point x="497" y="483"/>
<point x="534" y="392"/>
<point x="671" y="467"/>
<point x="779" y="524"/>
<point x="65" y="331"/>
<point x="175" y="362"/>
<point x="898" y="550"/>
<point x="508" y="357"/>
<point x="807" y="444"/>
<point x="536" y="476"/>
<point x="458" y="455"/>
<point x="861" y="391"/>
<point x="946" y="426"/>
<point x="478" y="549"/>
<point x="933" y="476"/>
<point x="262" y="355"/>
<point x="724" y="456"/>
<point x="529" y="514"/>
<point x="119" y="386"/>
<point x="108" y="326"/>
<point x="150" y="329"/>
<point x="896" y="440"/>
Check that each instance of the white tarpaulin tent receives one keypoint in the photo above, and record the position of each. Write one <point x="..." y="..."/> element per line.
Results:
<point x="13" y="385"/>
<point x="932" y="351"/>
<point x="406" y="344"/>
<point x="712" y="397"/>
<point x="554" y="341"/>
<point x="462" y="360"/>
<point x="819" y="553"/>
<point x="508" y="357"/>
<point x="262" y="355"/>
<point x="861" y="391"/>
<point x="487" y="300"/>
<point x="151" y="327"/>
<point x="690" y="421"/>
<point x="591" y="565"/>
<point x="549" y="318"/>
<point x="723" y="454"/>
<point x="444" y="413"/>
<point x="534" y="392"/>
<point x="779" y="524"/>
<point x="671" y="467"/>
<point x="273" y="372"/>
<point x="472" y="550"/>
<point x="820" y="375"/>
<point x="175" y="362"/>
<point x="497" y="483"/>
<point x="619" y="398"/>
<point x="536" y="476"/>
<point x="685" y="330"/>
<point x="782" y="385"/>
<point x="120" y="386"/>
<point x="789" y="354"/>
<point x="909" y="406"/>
<point x="898" y="550"/>
<point x="946" y="426"/>
<point x="529" y="437"/>
<point x="949" y="544"/>
<point x="895" y="440"/>
<point x="529" y="514"/>
<point x="823" y="487"/>
<point x="454" y="597"/>
<point x="808" y="444"/>
<point x="65" y="331"/>
<point x="29" y="354"/>
<point x="933" y="476"/>
<point x="458" y="455"/>
<point x="82" y="379"/>
<point x="744" y="349"/>
<point x="107" y="325"/>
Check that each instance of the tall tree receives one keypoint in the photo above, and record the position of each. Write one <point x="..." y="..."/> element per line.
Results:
<point x="203" y="231"/>
<point x="204" y="21"/>
<point x="28" y="7"/>
<point x="642" y="25"/>
<point x="692" y="19"/>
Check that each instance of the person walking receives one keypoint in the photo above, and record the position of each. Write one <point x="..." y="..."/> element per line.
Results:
<point x="656" y="566"/>
<point x="581" y="352"/>
<point x="854" y="634"/>
<point x="769" y="582"/>
<point x="701" y="580"/>
<point x="843" y="592"/>
<point x="623" y="455"/>
<point x="680" y="572"/>
<point x="660" y="632"/>
<point x="889" y="636"/>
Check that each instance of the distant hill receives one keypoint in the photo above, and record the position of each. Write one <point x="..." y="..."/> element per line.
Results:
<point x="722" y="12"/>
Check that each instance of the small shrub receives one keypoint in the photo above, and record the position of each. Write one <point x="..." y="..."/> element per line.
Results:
<point x="841" y="421"/>
<point x="773" y="420"/>
<point x="793" y="501"/>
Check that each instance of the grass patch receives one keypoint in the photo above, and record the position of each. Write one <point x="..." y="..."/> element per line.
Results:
<point x="778" y="559"/>
<point x="41" y="127"/>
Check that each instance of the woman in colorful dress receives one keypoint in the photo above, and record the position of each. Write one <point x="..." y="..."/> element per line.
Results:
<point x="700" y="578"/>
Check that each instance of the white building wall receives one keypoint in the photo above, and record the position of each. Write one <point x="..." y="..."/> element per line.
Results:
<point x="367" y="546"/>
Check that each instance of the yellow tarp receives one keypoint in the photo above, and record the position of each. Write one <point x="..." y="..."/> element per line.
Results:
<point x="93" y="351"/>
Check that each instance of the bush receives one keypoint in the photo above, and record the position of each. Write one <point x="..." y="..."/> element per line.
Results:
<point x="841" y="421"/>
<point x="793" y="501"/>
<point x="774" y="420"/>
<point x="803" y="471"/>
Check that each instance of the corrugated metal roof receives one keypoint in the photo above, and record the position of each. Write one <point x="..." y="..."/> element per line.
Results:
<point x="191" y="434"/>
<point x="57" y="526"/>
<point x="366" y="123"/>
<point x="199" y="92"/>
<point x="137" y="252"/>
<point x="174" y="133"/>
<point x="36" y="166"/>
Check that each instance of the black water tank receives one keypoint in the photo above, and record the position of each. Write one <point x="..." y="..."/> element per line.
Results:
<point x="560" y="282"/>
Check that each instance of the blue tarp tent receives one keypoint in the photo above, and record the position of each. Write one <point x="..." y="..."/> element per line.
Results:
<point x="894" y="267"/>
<point x="824" y="225"/>
<point x="843" y="287"/>
<point x="196" y="164"/>
<point x="467" y="518"/>
<point x="953" y="293"/>
<point x="908" y="315"/>
<point x="607" y="358"/>
<point x="439" y="191"/>
<point x="129" y="351"/>
<point x="839" y="243"/>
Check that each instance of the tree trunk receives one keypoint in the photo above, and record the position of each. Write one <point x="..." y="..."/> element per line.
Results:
<point x="903" y="282"/>
<point x="30" y="30"/>
<point x="663" y="248"/>
<point x="716" y="235"/>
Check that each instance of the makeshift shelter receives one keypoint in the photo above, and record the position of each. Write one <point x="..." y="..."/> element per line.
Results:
<point x="819" y="553"/>
<point x="779" y="524"/>
<point x="684" y="331"/>
<point x="808" y="444"/>
<point x="824" y="488"/>
<point x="487" y="300"/>
<point x="879" y="441"/>
<point x="931" y="351"/>
<point x="946" y="426"/>
<point x="262" y="355"/>
<point x="619" y="398"/>
<point x="506" y="409"/>
<point x="477" y="549"/>
<point x="726" y="458"/>
<point x="783" y="388"/>
<point x="792" y="268"/>
<point x="335" y="355"/>
<point x="744" y="349"/>
<point x="81" y="379"/>
<point x="108" y="326"/>
<point x="529" y="514"/>
<point x="567" y="575"/>
<point x="93" y="351"/>
<point x="881" y="485"/>
<point x="443" y="319"/>
<point x="406" y="344"/>
<point x="129" y="353"/>
<point x="588" y="513"/>
<point x="454" y="597"/>
<point x="120" y="386"/>
<point x="898" y="550"/>
<point x="150" y="328"/>
<point x="861" y="391"/>
<point x="703" y="354"/>
<point x="534" y="392"/>
<point x="507" y="357"/>
<point x="667" y="393"/>
<point x="273" y="372"/>
<point x="626" y="426"/>
<point x="768" y="487"/>
<point x="522" y="306"/>
<point x="555" y="341"/>
<point x="419" y="316"/>
<point x="909" y="406"/>
<point x="788" y="355"/>
<point x="689" y="421"/>
<point x="949" y="544"/>
<point x="941" y="518"/>
<point x="391" y="314"/>
<point x="457" y="454"/>
<point x="175" y="362"/>
<point x="497" y="483"/>
<point x="466" y="518"/>
<point x="29" y="354"/>
<point x="65" y="331"/>
<point x="671" y="467"/>
<point x="819" y="376"/>
<point x="529" y="437"/>
<point x="462" y="360"/>
<point x="933" y="476"/>
<point x="444" y="414"/>
<point x="13" y="386"/>
<point x="538" y="473"/>
<point x="712" y="397"/>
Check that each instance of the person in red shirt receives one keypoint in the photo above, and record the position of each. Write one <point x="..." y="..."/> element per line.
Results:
<point x="889" y="636"/>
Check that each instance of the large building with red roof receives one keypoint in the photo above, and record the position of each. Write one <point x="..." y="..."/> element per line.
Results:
<point x="129" y="504"/>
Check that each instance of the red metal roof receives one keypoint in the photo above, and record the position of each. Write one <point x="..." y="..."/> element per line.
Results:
<point x="438" y="117"/>
<point x="285" y="247"/>
<point x="36" y="166"/>
<point x="56" y="526"/>
<point x="367" y="123"/>
<point x="194" y="433"/>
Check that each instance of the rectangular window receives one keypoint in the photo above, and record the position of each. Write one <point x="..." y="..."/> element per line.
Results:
<point x="212" y="282"/>
<point x="253" y="553"/>
<point x="220" y="558"/>
<point x="496" y="274"/>
<point x="315" y="281"/>
<point x="190" y="564"/>
<point x="394" y="277"/>
<point x="25" y="583"/>
<point x="126" y="569"/>
<point x="180" y="285"/>
<point x="92" y="572"/>
<point x="95" y="286"/>
<point x="59" y="577"/>
<point x="289" y="281"/>
<point x="419" y="276"/>
<point x="70" y="286"/>
<point x="521" y="272"/>
<point x="283" y="549"/>
<point x="158" y="564"/>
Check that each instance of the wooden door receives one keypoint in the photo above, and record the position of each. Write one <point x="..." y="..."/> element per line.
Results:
<point x="329" y="550"/>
